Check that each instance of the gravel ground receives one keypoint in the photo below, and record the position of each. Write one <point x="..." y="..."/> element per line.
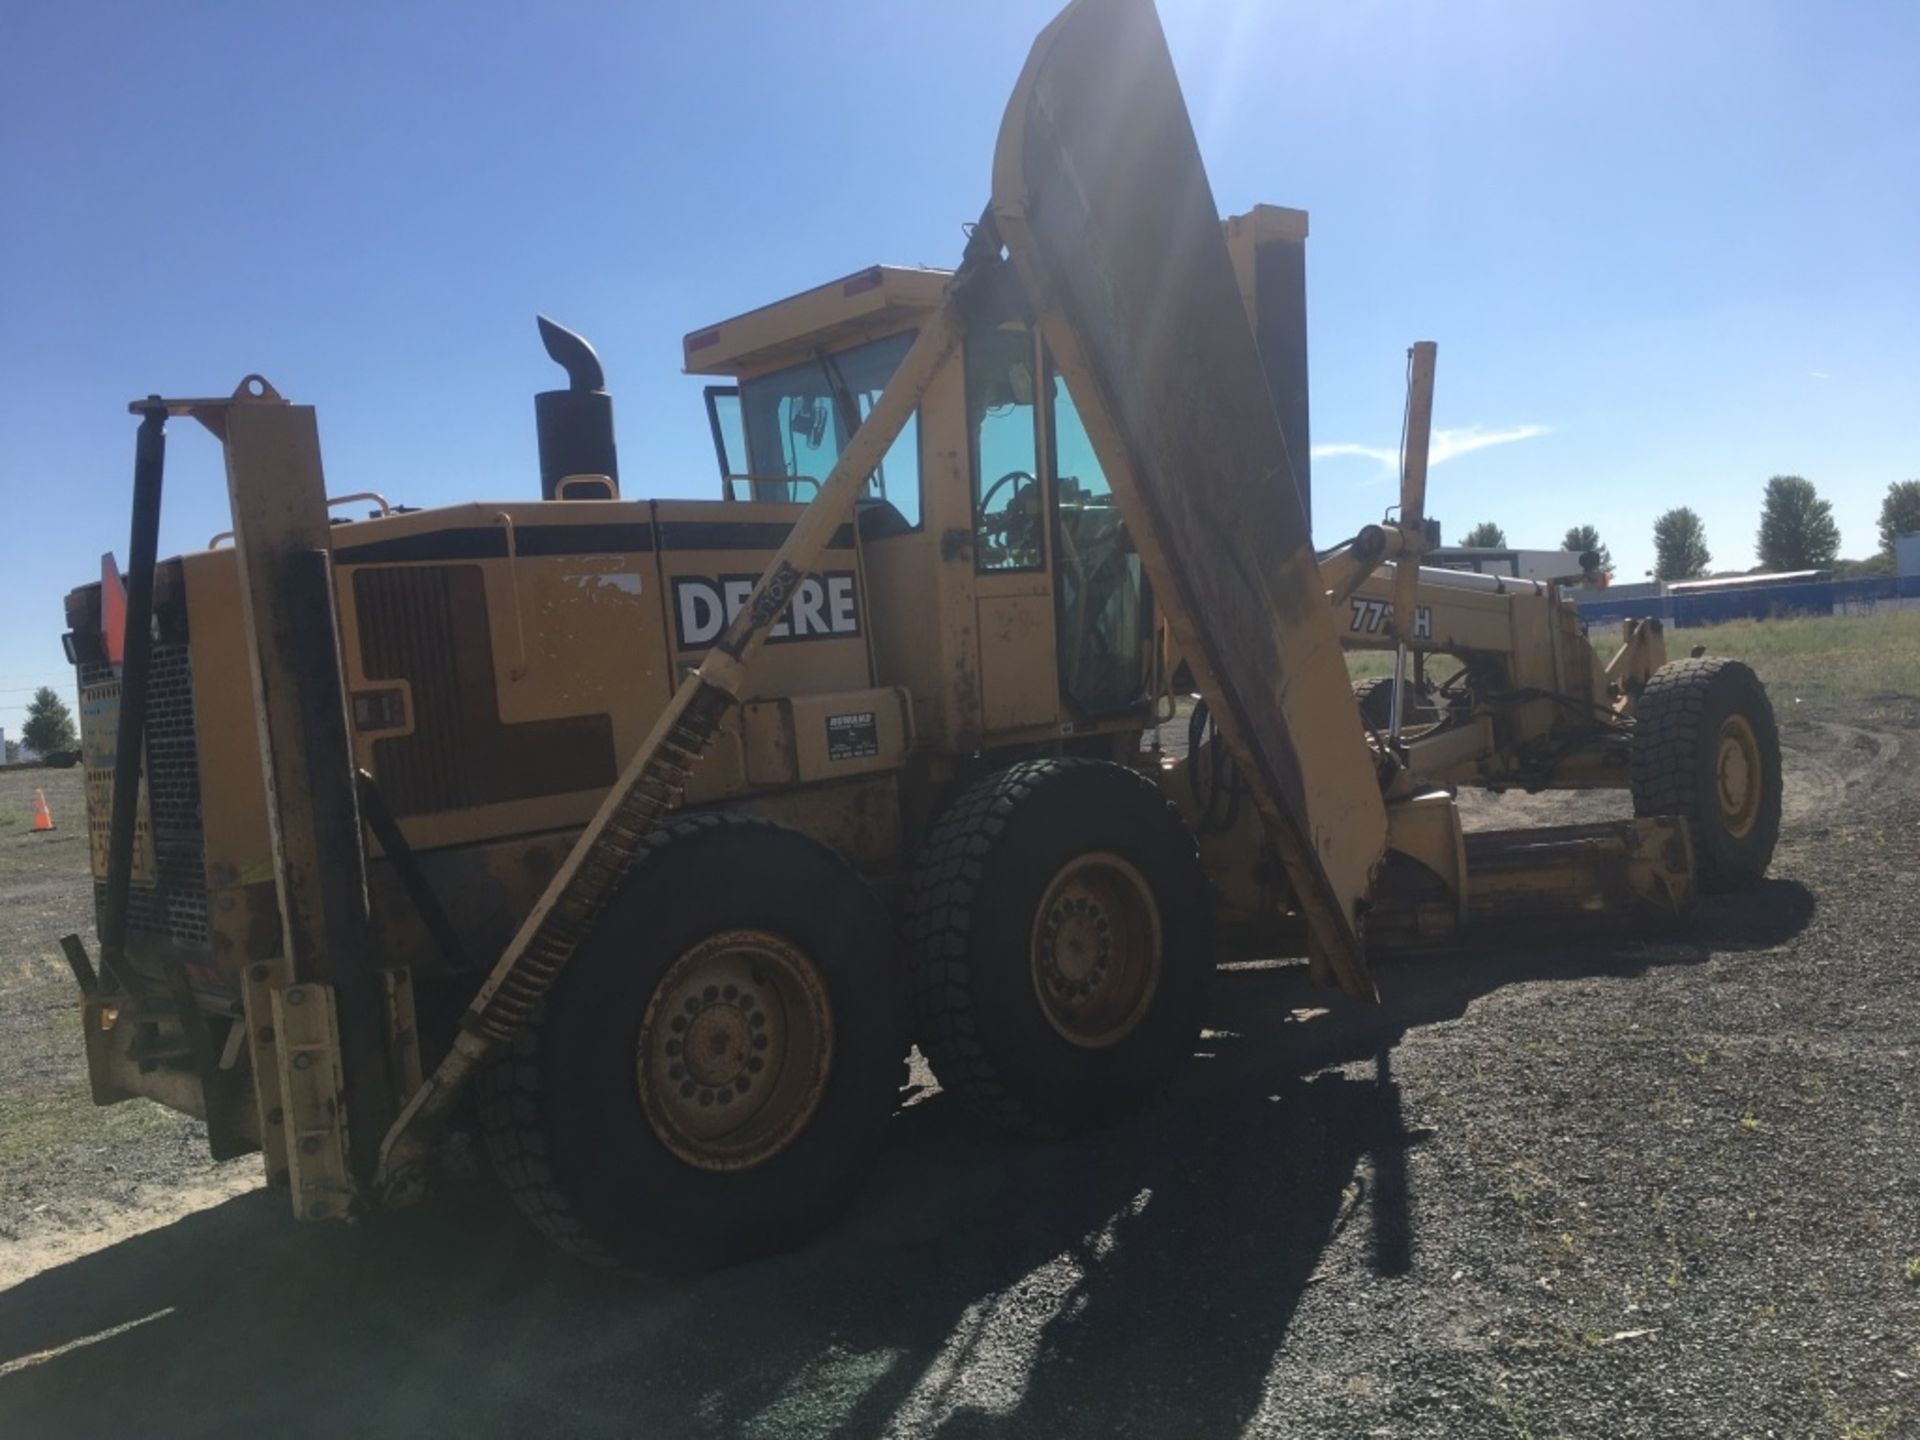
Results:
<point x="1610" y="1189"/>
<point x="68" y="1171"/>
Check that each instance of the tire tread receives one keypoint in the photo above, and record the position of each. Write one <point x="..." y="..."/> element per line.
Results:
<point x="511" y="1093"/>
<point x="940" y="917"/>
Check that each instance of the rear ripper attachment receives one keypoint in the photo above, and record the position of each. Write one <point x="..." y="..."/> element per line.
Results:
<point x="328" y="1033"/>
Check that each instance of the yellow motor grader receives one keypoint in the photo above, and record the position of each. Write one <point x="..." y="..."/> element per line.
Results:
<point x="646" y="835"/>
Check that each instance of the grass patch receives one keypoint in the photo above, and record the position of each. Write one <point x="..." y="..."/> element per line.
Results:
<point x="1823" y="657"/>
<point x="49" y="1112"/>
<point x="45" y="1130"/>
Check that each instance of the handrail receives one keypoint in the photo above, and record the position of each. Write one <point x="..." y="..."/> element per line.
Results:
<point x="373" y="495"/>
<point x="519" y="669"/>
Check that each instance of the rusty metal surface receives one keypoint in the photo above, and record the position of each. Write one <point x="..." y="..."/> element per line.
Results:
<point x="1102" y="200"/>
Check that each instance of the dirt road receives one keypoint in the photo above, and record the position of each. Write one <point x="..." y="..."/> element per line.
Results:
<point x="1608" y="1190"/>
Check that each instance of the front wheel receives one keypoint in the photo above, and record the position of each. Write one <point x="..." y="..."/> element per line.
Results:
<point x="1705" y="748"/>
<point x="713" y="1073"/>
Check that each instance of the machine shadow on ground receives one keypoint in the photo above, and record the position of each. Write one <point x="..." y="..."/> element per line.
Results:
<point x="1142" y="1278"/>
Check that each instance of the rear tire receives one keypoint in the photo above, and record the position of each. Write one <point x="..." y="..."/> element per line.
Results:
<point x="1059" y="924"/>
<point x="1705" y="748"/>
<point x="712" y="1075"/>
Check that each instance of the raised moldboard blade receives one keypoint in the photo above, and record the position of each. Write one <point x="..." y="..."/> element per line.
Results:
<point x="1104" y="206"/>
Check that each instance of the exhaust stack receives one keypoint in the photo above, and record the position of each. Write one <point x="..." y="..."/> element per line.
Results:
<point x="575" y="425"/>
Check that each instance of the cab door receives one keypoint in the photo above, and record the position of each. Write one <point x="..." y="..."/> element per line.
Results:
<point x="1013" y="584"/>
<point x="1104" y="621"/>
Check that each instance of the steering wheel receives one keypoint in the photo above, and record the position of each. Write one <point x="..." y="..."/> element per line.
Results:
<point x="1012" y="477"/>
<point x="1011" y="537"/>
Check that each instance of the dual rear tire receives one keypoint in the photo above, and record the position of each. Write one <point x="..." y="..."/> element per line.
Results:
<point x="713" y="1074"/>
<point x="1058" y="929"/>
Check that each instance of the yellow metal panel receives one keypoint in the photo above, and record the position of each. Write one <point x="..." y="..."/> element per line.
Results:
<point x="852" y="733"/>
<point x="263" y="979"/>
<point x="864" y="304"/>
<point x="116" y="1072"/>
<point x="927" y="630"/>
<point x="233" y="804"/>
<point x="308" y="1030"/>
<point x="1427" y="829"/>
<point x="1019" y="683"/>
<point x="767" y="739"/>
<point x="1447" y="620"/>
<point x="859" y="819"/>
<point x="825" y="737"/>
<point x="99" y="741"/>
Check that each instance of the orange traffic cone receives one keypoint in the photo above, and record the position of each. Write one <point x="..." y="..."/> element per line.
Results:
<point x="42" y="817"/>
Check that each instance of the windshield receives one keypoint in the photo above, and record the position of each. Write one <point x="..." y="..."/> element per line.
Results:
<point x="795" y="429"/>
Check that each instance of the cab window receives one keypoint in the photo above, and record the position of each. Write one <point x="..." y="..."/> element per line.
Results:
<point x="1103" y="614"/>
<point x="795" y="425"/>
<point x="1008" y="509"/>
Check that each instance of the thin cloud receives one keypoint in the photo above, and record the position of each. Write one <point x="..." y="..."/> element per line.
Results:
<point x="1389" y="458"/>
<point x="1447" y="444"/>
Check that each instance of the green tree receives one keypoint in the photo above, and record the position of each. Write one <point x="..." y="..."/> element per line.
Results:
<point x="1583" y="538"/>
<point x="1899" y="512"/>
<point x="1680" y="545"/>
<point x="1796" y="527"/>
<point x="1485" y="536"/>
<point x="49" y="724"/>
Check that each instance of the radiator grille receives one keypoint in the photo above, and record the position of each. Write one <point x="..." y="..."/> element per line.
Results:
<point x="174" y="907"/>
<point x="427" y="625"/>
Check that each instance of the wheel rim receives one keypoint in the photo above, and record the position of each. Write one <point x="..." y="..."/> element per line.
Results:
<point x="1737" y="776"/>
<point x="734" y="1049"/>
<point x="1096" y="950"/>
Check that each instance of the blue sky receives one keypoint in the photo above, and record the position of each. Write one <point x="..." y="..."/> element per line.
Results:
<point x="1666" y="250"/>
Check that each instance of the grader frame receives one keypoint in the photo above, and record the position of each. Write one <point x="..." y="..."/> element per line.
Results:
<point x="331" y="1063"/>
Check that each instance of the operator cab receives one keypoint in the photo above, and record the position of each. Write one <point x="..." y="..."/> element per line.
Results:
<point x="1006" y="593"/>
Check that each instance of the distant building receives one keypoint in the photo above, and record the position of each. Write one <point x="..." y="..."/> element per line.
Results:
<point x="1906" y="554"/>
<point x="1631" y="590"/>
<point x="1763" y="581"/>
<point x="1521" y="564"/>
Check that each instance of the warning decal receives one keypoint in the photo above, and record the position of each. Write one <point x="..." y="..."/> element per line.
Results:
<point x="852" y="737"/>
